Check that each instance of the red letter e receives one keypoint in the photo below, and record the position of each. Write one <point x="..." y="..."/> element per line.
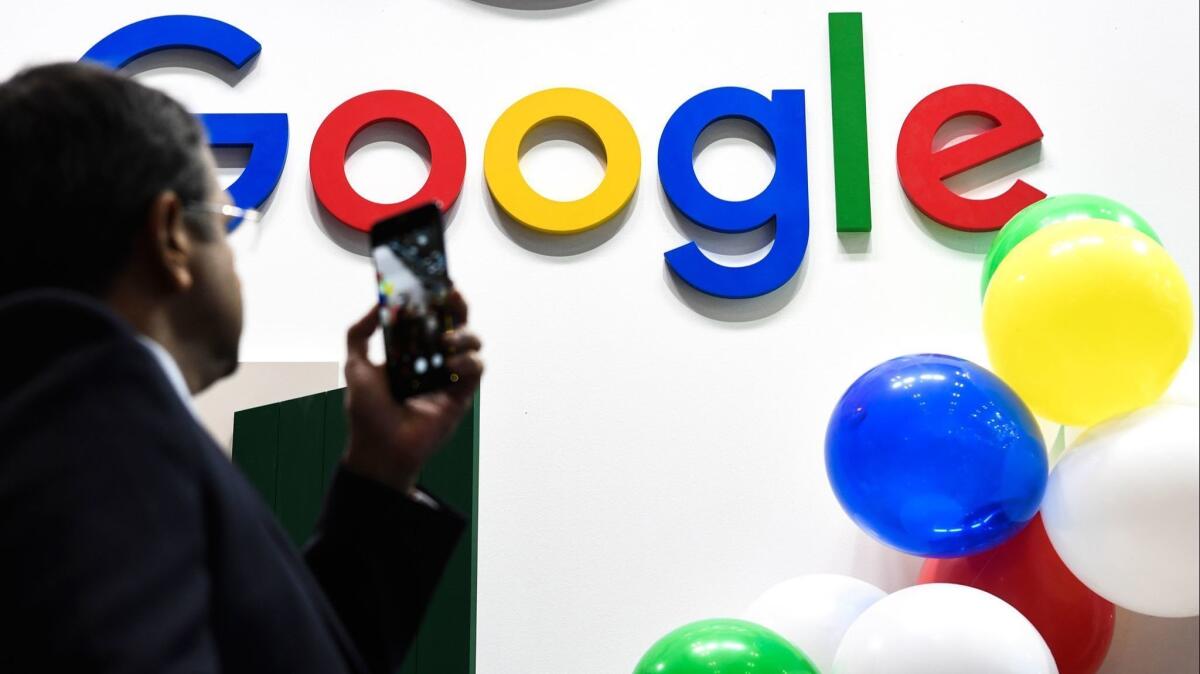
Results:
<point x="922" y="170"/>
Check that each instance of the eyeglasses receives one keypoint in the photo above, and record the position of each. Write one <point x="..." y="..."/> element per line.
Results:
<point x="229" y="211"/>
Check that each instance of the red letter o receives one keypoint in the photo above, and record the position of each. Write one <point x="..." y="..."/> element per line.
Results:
<point x="327" y="159"/>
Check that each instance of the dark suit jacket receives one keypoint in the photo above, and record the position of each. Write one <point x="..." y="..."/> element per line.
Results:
<point x="130" y="543"/>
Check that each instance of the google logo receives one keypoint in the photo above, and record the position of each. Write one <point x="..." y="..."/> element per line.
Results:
<point x="782" y="117"/>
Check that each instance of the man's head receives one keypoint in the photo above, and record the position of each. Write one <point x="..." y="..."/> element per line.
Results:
<point x="107" y="187"/>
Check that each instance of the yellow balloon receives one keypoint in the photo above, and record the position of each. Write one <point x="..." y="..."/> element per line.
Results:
<point x="1087" y="320"/>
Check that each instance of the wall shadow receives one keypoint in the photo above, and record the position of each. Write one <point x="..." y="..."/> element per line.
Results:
<point x="998" y="169"/>
<point x="536" y="7"/>
<point x="187" y="60"/>
<point x="347" y="238"/>
<point x="1143" y="643"/>
<point x="882" y="566"/>
<point x="735" y="312"/>
<point x="965" y="242"/>
<point x="231" y="156"/>
<point x="567" y="130"/>
<point x="394" y="131"/>
<point x="855" y="243"/>
<point x="733" y="127"/>
<point x="960" y="128"/>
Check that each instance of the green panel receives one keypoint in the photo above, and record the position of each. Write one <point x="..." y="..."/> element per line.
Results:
<point x="446" y="638"/>
<point x="335" y="433"/>
<point x="474" y="530"/>
<point x="848" y="96"/>
<point x="256" y="447"/>
<point x="300" y="477"/>
<point x="449" y="474"/>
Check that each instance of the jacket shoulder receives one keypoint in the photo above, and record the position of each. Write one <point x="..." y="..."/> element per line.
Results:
<point x="107" y="397"/>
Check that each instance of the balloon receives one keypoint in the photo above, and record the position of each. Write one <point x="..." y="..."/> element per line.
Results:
<point x="1123" y="510"/>
<point x="812" y="612"/>
<point x="1026" y="572"/>
<point x="723" y="646"/>
<point x="1053" y="210"/>
<point x="1087" y="320"/>
<point x="942" y="629"/>
<point x="935" y="456"/>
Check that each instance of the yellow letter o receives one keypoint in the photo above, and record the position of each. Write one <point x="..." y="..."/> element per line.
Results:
<point x="502" y="170"/>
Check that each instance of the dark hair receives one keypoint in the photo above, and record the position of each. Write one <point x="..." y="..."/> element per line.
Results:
<point x="84" y="151"/>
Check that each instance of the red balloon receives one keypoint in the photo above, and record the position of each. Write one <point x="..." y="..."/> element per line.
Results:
<point x="1024" y="571"/>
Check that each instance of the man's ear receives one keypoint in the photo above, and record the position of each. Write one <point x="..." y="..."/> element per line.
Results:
<point x="170" y="241"/>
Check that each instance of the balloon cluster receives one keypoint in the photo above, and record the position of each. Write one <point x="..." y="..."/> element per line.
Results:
<point x="1087" y="319"/>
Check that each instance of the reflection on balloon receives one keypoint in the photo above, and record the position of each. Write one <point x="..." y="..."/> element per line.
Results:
<point x="1123" y="510"/>
<point x="813" y="612"/>
<point x="1087" y="320"/>
<point x="723" y="646"/>
<point x="942" y="629"/>
<point x="1026" y="572"/>
<point x="935" y="456"/>
<point x="1051" y="211"/>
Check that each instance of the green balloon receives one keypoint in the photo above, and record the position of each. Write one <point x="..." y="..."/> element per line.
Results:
<point x="1051" y="211"/>
<point x="724" y="646"/>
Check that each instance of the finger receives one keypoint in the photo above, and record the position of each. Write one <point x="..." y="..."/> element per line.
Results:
<point x="456" y="306"/>
<point x="359" y="333"/>
<point x="460" y="341"/>
<point x="360" y="371"/>
<point x="465" y="372"/>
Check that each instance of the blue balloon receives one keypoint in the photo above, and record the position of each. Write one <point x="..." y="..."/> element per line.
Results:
<point x="935" y="456"/>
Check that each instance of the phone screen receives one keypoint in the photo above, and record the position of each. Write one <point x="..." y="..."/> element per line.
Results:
<point x="410" y="266"/>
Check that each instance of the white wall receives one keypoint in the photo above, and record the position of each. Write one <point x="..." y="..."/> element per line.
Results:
<point x="649" y="456"/>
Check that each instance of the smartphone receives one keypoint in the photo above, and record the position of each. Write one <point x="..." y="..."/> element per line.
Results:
<point x="414" y="286"/>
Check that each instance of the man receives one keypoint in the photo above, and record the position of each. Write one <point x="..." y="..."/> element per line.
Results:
<point x="128" y="542"/>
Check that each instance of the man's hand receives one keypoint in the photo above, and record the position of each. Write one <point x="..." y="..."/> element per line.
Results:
<point x="390" y="441"/>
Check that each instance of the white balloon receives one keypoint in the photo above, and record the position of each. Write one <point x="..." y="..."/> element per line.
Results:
<point x="1122" y="509"/>
<point x="813" y="612"/>
<point x="942" y="629"/>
